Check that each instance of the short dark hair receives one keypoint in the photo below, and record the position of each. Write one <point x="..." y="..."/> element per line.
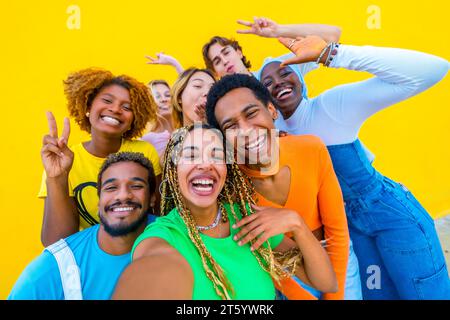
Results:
<point x="136" y="157"/>
<point x="223" y="42"/>
<point x="231" y="82"/>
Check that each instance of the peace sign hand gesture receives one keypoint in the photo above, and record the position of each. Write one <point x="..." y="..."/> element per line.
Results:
<point x="262" y="27"/>
<point x="56" y="156"/>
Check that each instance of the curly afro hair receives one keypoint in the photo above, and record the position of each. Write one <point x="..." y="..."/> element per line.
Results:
<point x="81" y="88"/>
<point x="231" y="82"/>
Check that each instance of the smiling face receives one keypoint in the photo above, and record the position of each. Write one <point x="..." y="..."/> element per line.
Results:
<point x="201" y="168"/>
<point x="248" y="124"/>
<point x="284" y="86"/>
<point x="124" y="198"/>
<point x="161" y="94"/>
<point x="226" y="60"/>
<point x="193" y="98"/>
<point x="110" y="112"/>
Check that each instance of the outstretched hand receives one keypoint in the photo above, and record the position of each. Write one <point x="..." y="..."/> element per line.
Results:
<point x="56" y="156"/>
<point x="262" y="27"/>
<point x="306" y="49"/>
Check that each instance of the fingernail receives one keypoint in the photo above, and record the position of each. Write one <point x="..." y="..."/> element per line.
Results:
<point x="251" y="249"/>
<point x="234" y="226"/>
<point x="240" y="243"/>
<point x="235" y="238"/>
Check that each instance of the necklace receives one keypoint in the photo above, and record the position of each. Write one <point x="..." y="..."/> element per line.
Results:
<point x="214" y="224"/>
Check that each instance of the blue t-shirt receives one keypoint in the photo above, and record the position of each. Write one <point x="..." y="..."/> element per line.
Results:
<point x="99" y="271"/>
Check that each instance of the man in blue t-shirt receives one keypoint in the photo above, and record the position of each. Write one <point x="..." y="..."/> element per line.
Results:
<point x="88" y="264"/>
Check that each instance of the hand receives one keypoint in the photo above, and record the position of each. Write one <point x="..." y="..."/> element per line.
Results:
<point x="262" y="27"/>
<point x="266" y="222"/>
<point x="56" y="156"/>
<point x="200" y="111"/>
<point x="162" y="59"/>
<point x="306" y="49"/>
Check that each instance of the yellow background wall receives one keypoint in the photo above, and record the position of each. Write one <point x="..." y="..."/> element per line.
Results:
<point x="38" y="50"/>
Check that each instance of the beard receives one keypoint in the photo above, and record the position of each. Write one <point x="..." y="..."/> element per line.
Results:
<point x="122" y="229"/>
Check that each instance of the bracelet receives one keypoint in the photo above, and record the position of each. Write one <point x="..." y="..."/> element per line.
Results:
<point x="322" y="53"/>
<point x="331" y="54"/>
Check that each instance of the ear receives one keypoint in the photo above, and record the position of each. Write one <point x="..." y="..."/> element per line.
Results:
<point x="273" y="111"/>
<point x="152" y="201"/>
<point x="241" y="55"/>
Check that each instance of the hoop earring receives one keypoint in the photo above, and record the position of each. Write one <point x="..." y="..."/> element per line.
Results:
<point x="160" y="191"/>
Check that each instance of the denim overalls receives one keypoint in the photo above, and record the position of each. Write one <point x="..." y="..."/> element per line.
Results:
<point x="394" y="238"/>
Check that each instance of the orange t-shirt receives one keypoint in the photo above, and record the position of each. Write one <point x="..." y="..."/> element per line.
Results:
<point x="316" y="195"/>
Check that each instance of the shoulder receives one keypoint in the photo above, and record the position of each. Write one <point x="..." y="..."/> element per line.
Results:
<point x="78" y="241"/>
<point x="39" y="280"/>
<point x="138" y="146"/>
<point x="302" y="142"/>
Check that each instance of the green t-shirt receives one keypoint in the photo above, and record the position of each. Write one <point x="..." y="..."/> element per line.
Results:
<point x="248" y="278"/>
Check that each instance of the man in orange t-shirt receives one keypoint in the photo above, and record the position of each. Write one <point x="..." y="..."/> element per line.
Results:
<point x="290" y="172"/>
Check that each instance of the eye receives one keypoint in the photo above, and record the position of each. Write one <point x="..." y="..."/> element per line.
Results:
<point x="284" y="73"/>
<point x="106" y="100"/>
<point x="126" y="107"/>
<point x="252" y="113"/>
<point x="137" y="186"/>
<point x="110" y="188"/>
<point x="267" y="83"/>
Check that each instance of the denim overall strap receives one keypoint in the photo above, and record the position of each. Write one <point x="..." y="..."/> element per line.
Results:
<point x="68" y="270"/>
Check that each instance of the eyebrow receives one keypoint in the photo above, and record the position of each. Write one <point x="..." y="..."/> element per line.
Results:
<point x="222" y="50"/>
<point x="114" y="179"/>
<point x="249" y="106"/>
<point x="114" y="97"/>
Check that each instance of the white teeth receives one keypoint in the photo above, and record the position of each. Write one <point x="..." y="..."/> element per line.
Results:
<point x="120" y="209"/>
<point x="203" y="181"/>
<point x="110" y="120"/>
<point x="287" y="90"/>
<point x="256" y="143"/>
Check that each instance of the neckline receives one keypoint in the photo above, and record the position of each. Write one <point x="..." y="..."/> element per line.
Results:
<point x="94" y="156"/>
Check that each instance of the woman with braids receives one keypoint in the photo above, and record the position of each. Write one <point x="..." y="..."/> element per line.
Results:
<point x="114" y="110"/>
<point x="167" y="120"/>
<point x="191" y="253"/>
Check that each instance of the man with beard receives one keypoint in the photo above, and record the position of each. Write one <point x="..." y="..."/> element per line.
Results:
<point x="88" y="264"/>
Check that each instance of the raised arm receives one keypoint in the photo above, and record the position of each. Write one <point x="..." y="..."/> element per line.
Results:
<point x="167" y="60"/>
<point x="399" y="74"/>
<point x="265" y="27"/>
<point x="60" y="213"/>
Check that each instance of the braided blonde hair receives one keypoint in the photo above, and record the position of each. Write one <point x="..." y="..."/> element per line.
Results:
<point x="239" y="190"/>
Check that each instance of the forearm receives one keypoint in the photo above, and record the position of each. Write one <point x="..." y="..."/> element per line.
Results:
<point x="316" y="265"/>
<point x="60" y="213"/>
<point x="326" y="32"/>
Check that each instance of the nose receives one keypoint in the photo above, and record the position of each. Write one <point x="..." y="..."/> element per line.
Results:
<point x="115" y="108"/>
<point x="124" y="194"/>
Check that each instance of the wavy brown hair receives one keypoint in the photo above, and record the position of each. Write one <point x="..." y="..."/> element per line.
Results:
<point x="82" y="87"/>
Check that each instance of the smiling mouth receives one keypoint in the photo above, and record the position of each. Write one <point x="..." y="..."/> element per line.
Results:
<point x="203" y="186"/>
<point x="256" y="145"/>
<point x="230" y="69"/>
<point x="110" y="120"/>
<point x="284" y="93"/>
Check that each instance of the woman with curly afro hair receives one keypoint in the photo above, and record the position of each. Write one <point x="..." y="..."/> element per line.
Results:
<point x="115" y="111"/>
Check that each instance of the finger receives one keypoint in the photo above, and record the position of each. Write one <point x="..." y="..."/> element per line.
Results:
<point x="246" y="229"/>
<point x="293" y="60"/>
<point x="66" y="130"/>
<point x="244" y="221"/>
<point x="258" y="243"/>
<point x="256" y="208"/>
<point x="285" y="41"/>
<point x="49" y="140"/>
<point x="244" y="23"/>
<point x="245" y="31"/>
<point x="52" y="127"/>
<point x="254" y="234"/>
<point x="50" y="148"/>
<point x="65" y="149"/>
